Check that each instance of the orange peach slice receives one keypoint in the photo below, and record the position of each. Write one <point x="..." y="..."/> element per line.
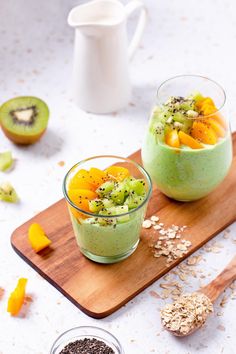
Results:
<point x="77" y="196"/>
<point x="217" y="127"/>
<point x="220" y="119"/>
<point x="204" y="133"/>
<point x="187" y="140"/>
<point x="97" y="176"/>
<point x="172" y="139"/>
<point x="81" y="183"/>
<point x="117" y="172"/>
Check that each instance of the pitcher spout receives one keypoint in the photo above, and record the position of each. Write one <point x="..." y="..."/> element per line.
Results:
<point x="96" y="12"/>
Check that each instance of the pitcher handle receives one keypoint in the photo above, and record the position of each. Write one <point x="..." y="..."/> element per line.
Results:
<point x="131" y="7"/>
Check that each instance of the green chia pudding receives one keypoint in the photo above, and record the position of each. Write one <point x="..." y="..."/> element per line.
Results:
<point x="186" y="151"/>
<point x="107" y="218"/>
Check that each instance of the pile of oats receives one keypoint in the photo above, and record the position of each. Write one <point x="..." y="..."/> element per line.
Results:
<point x="190" y="311"/>
<point x="166" y="245"/>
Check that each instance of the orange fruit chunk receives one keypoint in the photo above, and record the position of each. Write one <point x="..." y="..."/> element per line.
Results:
<point x="208" y="109"/>
<point x="16" y="298"/>
<point x="187" y="140"/>
<point x="80" y="183"/>
<point x="37" y="238"/>
<point x="80" y="196"/>
<point x="220" y="119"/>
<point x="117" y="172"/>
<point x="172" y="139"/>
<point x="217" y="127"/>
<point x="204" y="133"/>
<point x="97" y="176"/>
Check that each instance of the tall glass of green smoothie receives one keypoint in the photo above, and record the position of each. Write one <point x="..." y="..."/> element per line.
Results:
<point x="107" y="198"/>
<point x="188" y="149"/>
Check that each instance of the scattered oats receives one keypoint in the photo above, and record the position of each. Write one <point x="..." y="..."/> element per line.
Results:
<point x="234" y="240"/>
<point x="157" y="227"/>
<point x="161" y="224"/>
<point x="154" y="218"/>
<point x="194" y="260"/>
<point x="154" y="294"/>
<point x="219" y="313"/>
<point x="223" y="301"/>
<point x="226" y="235"/>
<point x="183" y="277"/>
<point x="147" y="224"/>
<point x="188" y="312"/>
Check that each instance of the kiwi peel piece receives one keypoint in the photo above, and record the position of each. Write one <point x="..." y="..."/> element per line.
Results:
<point x="24" y="119"/>
<point x="8" y="193"/>
<point x="6" y="160"/>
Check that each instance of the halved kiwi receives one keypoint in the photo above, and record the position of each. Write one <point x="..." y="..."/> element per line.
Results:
<point x="24" y="119"/>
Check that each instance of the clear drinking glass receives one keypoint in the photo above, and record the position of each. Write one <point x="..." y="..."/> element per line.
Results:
<point x="118" y="237"/>
<point x="186" y="173"/>
<point x="82" y="332"/>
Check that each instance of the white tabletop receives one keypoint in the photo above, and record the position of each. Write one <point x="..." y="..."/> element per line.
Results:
<point x="187" y="36"/>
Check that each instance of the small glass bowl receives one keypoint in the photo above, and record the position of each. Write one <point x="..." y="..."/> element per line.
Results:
<point x="82" y="332"/>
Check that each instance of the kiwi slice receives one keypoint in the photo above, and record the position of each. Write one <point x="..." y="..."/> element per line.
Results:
<point x="8" y="193"/>
<point x="6" y="160"/>
<point x="24" y="119"/>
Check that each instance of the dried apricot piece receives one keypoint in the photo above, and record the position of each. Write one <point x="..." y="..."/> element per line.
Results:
<point x="204" y="133"/>
<point x="97" y="176"/>
<point x="37" y="238"/>
<point x="217" y="127"/>
<point x="80" y="183"/>
<point x="220" y="119"/>
<point x="187" y="140"/>
<point x="172" y="139"/>
<point x="117" y="172"/>
<point x="76" y="195"/>
<point x="16" y="298"/>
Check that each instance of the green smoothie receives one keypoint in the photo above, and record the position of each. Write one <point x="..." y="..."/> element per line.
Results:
<point x="188" y="148"/>
<point x="186" y="174"/>
<point x="115" y="240"/>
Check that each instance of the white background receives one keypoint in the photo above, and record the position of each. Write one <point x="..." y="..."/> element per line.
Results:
<point x="186" y="36"/>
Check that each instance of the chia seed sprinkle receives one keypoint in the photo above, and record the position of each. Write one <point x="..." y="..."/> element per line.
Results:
<point x="87" y="346"/>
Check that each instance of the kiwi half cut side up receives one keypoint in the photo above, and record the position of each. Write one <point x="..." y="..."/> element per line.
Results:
<point x="24" y="119"/>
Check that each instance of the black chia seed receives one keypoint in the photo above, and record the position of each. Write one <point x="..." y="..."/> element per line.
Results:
<point x="87" y="346"/>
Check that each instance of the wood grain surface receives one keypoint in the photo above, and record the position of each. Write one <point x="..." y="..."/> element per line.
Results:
<point x="99" y="290"/>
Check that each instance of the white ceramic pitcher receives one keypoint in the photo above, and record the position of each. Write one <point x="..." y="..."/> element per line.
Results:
<point x="100" y="77"/>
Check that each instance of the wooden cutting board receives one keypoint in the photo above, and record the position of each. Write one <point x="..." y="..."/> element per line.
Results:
<point x="99" y="290"/>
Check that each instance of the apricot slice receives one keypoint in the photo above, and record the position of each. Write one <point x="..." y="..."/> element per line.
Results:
<point x="208" y="109"/>
<point x="37" y="238"/>
<point x="97" y="176"/>
<point x="81" y="183"/>
<point x="217" y="127"/>
<point x="220" y="119"/>
<point x="118" y="172"/>
<point x="187" y="140"/>
<point x="80" y="197"/>
<point x="204" y="133"/>
<point x="172" y="139"/>
<point x="16" y="298"/>
<point x="77" y="196"/>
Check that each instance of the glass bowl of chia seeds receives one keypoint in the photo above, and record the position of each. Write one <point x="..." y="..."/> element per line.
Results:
<point x="86" y="339"/>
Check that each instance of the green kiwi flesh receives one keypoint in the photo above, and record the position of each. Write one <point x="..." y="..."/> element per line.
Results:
<point x="24" y="119"/>
<point x="6" y="160"/>
<point x="8" y="193"/>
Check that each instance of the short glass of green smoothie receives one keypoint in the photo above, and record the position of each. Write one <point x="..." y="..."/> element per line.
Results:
<point x="107" y="197"/>
<point x="188" y="149"/>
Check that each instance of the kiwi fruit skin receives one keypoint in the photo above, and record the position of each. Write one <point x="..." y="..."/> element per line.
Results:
<point x="17" y="138"/>
<point x="22" y="140"/>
